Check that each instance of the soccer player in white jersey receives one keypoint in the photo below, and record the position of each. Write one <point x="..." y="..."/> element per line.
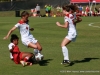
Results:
<point x="71" y="33"/>
<point x="26" y="37"/>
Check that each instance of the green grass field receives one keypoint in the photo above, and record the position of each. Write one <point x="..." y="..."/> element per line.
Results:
<point x="84" y="52"/>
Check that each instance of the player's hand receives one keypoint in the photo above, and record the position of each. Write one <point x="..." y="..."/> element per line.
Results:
<point x="57" y="23"/>
<point x="78" y="18"/>
<point x="31" y="29"/>
<point x="5" y="38"/>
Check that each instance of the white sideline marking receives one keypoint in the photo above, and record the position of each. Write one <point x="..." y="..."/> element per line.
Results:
<point x="91" y="24"/>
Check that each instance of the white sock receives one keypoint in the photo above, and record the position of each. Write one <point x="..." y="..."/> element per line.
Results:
<point x="36" y="51"/>
<point x="65" y="53"/>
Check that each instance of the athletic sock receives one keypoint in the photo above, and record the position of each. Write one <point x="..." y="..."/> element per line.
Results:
<point x="65" y="53"/>
<point x="26" y="59"/>
<point x="36" y="51"/>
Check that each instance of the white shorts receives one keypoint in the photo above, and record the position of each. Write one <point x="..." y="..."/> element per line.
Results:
<point x="29" y="40"/>
<point x="71" y="37"/>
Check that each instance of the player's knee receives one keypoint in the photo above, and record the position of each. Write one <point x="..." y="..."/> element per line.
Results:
<point x="62" y="45"/>
<point x="31" y="45"/>
<point x="35" y="47"/>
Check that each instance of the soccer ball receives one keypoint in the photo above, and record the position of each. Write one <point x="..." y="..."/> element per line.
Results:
<point x="39" y="57"/>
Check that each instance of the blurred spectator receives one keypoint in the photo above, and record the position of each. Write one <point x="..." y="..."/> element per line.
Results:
<point x="83" y="13"/>
<point x="80" y="9"/>
<point x="58" y="10"/>
<point x="87" y="9"/>
<point x="49" y="9"/>
<point x="33" y="12"/>
<point x="99" y="9"/>
<point x="96" y="10"/>
<point x="38" y="10"/>
<point x="61" y="14"/>
<point x="99" y="13"/>
<point x="46" y="8"/>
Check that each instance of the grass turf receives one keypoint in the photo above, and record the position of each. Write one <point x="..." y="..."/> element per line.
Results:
<point x="85" y="52"/>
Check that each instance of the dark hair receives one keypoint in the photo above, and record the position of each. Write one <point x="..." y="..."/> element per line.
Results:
<point x="24" y="13"/>
<point x="73" y="7"/>
<point x="70" y="7"/>
<point x="66" y="7"/>
<point x="14" y="37"/>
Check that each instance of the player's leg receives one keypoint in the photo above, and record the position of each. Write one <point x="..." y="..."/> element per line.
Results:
<point x="32" y="45"/>
<point x="25" y="56"/>
<point x="65" y="50"/>
<point x="37" y="47"/>
<point x="37" y="51"/>
<point x="65" y="42"/>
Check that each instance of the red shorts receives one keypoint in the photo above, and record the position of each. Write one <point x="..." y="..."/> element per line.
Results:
<point x="17" y="57"/>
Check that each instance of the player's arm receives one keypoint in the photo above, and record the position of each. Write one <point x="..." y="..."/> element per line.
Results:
<point x="78" y="19"/>
<point x="10" y="31"/>
<point x="63" y="26"/>
<point x="11" y="50"/>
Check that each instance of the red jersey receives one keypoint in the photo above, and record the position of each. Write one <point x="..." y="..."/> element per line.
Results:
<point x="17" y="55"/>
<point x="87" y="9"/>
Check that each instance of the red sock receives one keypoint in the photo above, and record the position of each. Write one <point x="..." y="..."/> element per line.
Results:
<point x="26" y="59"/>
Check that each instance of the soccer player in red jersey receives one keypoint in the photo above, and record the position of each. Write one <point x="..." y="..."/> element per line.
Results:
<point x="16" y="55"/>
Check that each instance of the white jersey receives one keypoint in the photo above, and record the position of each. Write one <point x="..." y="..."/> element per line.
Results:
<point x="71" y="28"/>
<point x="10" y="47"/>
<point x="24" y="30"/>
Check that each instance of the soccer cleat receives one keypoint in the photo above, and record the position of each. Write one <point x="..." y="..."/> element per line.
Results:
<point x="23" y="63"/>
<point x="42" y="57"/>
<point x="65" y="62"/>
